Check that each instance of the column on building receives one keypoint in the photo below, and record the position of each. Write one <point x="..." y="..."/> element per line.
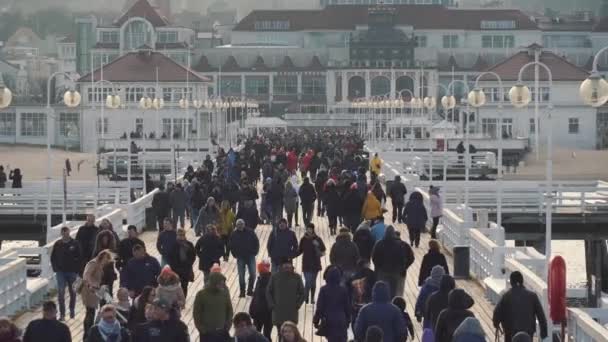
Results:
<point x="243" y="89"/>
<point x="330" y="87"/>
<point x="299" y="76"/>
<point x="393" y="85"/>
<point x="417" y="79"/>
<point x="270" y="89"/>
<point x="344" y="86"/>
<point x="368" y="85"/>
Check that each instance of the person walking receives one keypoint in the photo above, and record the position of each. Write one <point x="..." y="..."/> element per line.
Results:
<point x="17" y="178"/>
<point x="47" y="328"/>
<point x="382" y="313"/>
<point x="226" y="226"/>
<point x="107" y="240"/>
<point x="212" y="310"/>
<point x="397" y="195"/>
<point x="436" y="209"/>
<point x="438" y="301"/>
<point x="430" y="286"/>
<point x="378" y="228"/>
<point x="431" y="259"/>
<point x="209" y="214"/>
<point x="459" y="303"/>
<point x="308" y="196"/>
<point x="209" y="249"/>
<point x="125" y="248"/>
<point x="333" y="311"/>
<point x="181" y="259"/>
<point x="333" y="205"/>
<point x="3" y="177"/>
<point x="91" y="285"/>
<point x="289" y="332"/>
<point x="244" y="331"/>
<point x="197" y="201"/>
<point x="169" y="289"/>
<point x="282" y="244"/>
<point x="244" y="246"/>
<point x="108" y="328"/>
<point x="372" y="209"/>
<point x="344" y="253"/>
<point x="392" y="257"/>
<point x="137" y="313"/>
<point x="66" y="259"/>
<point x="469" y="330"/>
<point x="364" y="240"/>
<point x="249" y="213"/>
<point x="141" y="271"/>
<point x="415" y="217"/>
<point x="179" y="201"/>
<point x="518" y="310"/>
<point x="165" y="327"/>
<point x="85" y="237"/>
<point x="161" y="203"/>
<point x="375" y="166"/>
<point x="285" y="294"/>
<point x="259" y="309"/>
<point x="311" y="249"/>
<point x="360" y="287"/>
<point x="290" y="200"/>
<point x="352" y="205"/>
<point x="166" y="241"/>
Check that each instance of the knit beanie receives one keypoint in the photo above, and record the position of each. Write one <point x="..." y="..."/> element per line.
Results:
<point x="263" y="267"/>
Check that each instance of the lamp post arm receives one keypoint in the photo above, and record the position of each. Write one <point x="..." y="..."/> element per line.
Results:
<point x="48" y="85"/>
<point x="541" y="64"/>
<point x="596" y="59"/>
<point x="501" y="91"/>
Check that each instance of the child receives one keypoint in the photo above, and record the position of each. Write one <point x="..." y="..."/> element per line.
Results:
<point x="123" y="305"/>
<point x="170" y="290"/>
<point x="400" y="303"/>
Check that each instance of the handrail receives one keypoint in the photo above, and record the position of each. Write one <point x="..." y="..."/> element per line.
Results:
<point x="583" y="328"/>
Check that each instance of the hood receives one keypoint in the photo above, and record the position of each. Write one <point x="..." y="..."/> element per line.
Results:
<point x="380" y="293"/>
<point x="344" y="236"/>
<point x="416" y="197"/>
<point x="447" y="283"/>
<point x="365" y="225"/>
<point x="215" y="278"/>
<point x="470" y="326"/>
<point x="371" y="197"/>
<point x="390" y="232"/>
<point x="521" y="337"/>
<point x="458" y="299"/>
<point x="435" y="279"/>
<point x="171" y="287"/>
<point x="333" y="276"/>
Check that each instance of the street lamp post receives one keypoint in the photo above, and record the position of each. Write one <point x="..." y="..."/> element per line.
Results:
<point x="71" y="98"/>
<point x="477" y="99"/>
<point x="520" y="97"/>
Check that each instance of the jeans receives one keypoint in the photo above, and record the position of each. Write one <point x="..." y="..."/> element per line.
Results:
<point x="414" y="236"/>
<point x="434" y="228"/>
<point x="225" y="241"/>
<point x="181" y="215"/>
<point x="333" y="223"/>
<point x="194" y="216"/>
<point x="397" y="212"/>
<point x="241" y="264"/>
<point x="66" y="279"/>
<point x="307" y="212"/>
<point x="290" y="219"/>
<point x="310" y="284"/>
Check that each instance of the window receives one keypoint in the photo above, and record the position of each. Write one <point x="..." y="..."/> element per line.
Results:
<point x="139" y="125"/>
<point x="493" y="94"/>
<point x="573" y="125"/>
<point x="285" y="85"/>
<point x="105" y="125"/>
<point x="231" y="86"/>
<point x="109" y="37"/>
<point x="507" y="128"/>
<point x="497" y="41"/>
<point x="167" y="36"/>
<point x="7" y="124"/>
<point x="544" y="94"/>
<point x="68" y="124"/>
<point x="450" y="41"/>
<point x="98" y="94"/>
<point x="421" y="41"/>
<point x="134" y="94"/>
<point x="498" y="24"/>
<point x="137" y="34"/>
<point x="179" y="127"/>
<point x="256" y="85"/>
<point x="272" y="25"/>
<point x="488" y="127"/>
<point x="532" y="126"/>
<point x="313" y="86"/>
<point x="33" y="124"/>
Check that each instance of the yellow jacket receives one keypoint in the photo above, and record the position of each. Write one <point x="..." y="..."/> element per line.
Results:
<point x="372" y="208"/>
<point x="375" y="165"/>
<point x="227" y="219"/>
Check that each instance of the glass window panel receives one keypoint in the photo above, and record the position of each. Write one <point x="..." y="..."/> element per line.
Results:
<point x="33" y="124"/>
<point x="7" y="124"/>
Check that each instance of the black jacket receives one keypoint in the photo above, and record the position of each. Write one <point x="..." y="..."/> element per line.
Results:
<point x="430" y="260"/>
<point x="95" y="335"/>
<point x="365" y="241"/>
<point x="250" y="215"/>
<point x="161" y="203"/>
<point x="311" y="249"/>
<point x="86" y="236"/>
<point x="181" y="258"/>
<point x="209" y="249"/>
<point x="244" y="243"/>
<point x="392" y="255"/>
<point x="282" y="244"/>
<point x="259" y="309"/>
<point x="125" y="251"/>
<point x="397" y="193"/>
<point x="344" y="253"/>
<point x="307" y="193"/>
<point x="518" y="310"/>
<point x="66" y="256"/>
<point x="457" y="311"/>
<point x="162" y="331"/>
<point x="47" y="330"/>
<point x="333" y="201"/>
<point x="438" y="300"/>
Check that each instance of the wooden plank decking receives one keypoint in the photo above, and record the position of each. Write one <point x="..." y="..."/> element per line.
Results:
<point x="482" y="308"/>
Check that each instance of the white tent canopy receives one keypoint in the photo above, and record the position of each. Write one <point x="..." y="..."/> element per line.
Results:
<point x="265" y="122"/>
<point x="417" y="122"/>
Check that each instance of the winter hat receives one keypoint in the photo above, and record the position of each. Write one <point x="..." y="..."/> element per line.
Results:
<point x="216" y="268"/>
<point x="521" y="337"/>
<point x="263" y="267"/>
<point x="436" y="273"/>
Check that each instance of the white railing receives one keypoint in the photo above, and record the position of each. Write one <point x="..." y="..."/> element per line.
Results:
<point x="13" y="286"/>
<point x="532" y="280"/>
<point x="136" y="211"/>
<point x="582" y="327"/>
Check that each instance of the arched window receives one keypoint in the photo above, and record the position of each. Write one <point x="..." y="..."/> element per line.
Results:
<point x="137" y="33"/>
<point x="380" y="86"/>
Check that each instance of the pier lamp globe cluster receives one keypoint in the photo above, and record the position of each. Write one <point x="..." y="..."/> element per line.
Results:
<point x="71" y="98"/>
<point x="448" y="102"/>
<point x="477" y="98"/>
<point x="430" y="102"/>
<point x="6" y="96"/>
<point x="520" y="95"/>
<point x="158" y="103"/>
<point x="197" y="103"/>
<point x="113" y="101"/>
<point x="145" y="102"/>
<point x="594" y="90"/>
<point x="184" y="103"/>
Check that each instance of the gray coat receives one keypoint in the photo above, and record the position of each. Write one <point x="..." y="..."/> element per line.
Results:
<point x="207" y="216"/>
<point x="290" y="199"/>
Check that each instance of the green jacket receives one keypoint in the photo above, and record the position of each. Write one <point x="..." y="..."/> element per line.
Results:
<point x="212" y="306"/>
<point x="285" y="296"/>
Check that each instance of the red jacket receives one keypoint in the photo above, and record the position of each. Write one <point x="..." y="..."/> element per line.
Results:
<point x="292" y="161"/>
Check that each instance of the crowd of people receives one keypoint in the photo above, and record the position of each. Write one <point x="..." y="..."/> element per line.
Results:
<point x="318" y="174"/>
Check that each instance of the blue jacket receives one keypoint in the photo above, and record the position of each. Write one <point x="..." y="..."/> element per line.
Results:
<point x="282" y="244"/>
<point x="378" y="231"/>
<point x="382" y="313"/>
<point x="469" y="330"/>
<point x="333" y="305"/>
<point x="165" y="242"/>
<point x="140" y="273"/>
<point x="425" y="292"/>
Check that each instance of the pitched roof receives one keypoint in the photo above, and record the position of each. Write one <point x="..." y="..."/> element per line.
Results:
<point x="203" y="65"/>
<point x="315" y="64"/>
<point x="561" y="69"/>
<point x="259" y="65"/>
<point x="141" y="66"/>
<point x="287" y="64"/>
<point x="602" y="25"/>
<point x="143" y="9"/>
<point x="480" y="64"/>
<point x="70" y="38"/>
<point x="347" y="17"/>
<point x="231" y="64"/>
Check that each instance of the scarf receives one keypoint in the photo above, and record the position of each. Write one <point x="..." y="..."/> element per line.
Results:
<point x="110" y="332"/>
